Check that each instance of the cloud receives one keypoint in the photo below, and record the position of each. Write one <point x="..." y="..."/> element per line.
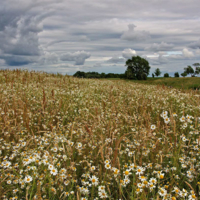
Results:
<point x="132" y="35"/>
<point x="64" y="65"/>
<point x="195" y="45"/>
<point x="160" y="60"/>
<point x="115" y="60"/>
<point x="97" y="65"/>
<point x="197" y="52"/>
<point x="48" y="58"/>
<point x="128" y="53"/>
<point x="21" y="38"/>
<point x="79" y="57"/>
<point x="159" y="47"/>
<point x="83" y="38"/>
<point x="19" y="33"/>
<point x="187" y="54"/>
<point x="36" y="34"/>
<point x="13" y="60"/>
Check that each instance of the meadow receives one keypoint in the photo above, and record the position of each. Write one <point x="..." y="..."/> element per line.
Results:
<point x="186" y="83"/>
<point x="189" y="83"/>
<point x="67" y="138"/>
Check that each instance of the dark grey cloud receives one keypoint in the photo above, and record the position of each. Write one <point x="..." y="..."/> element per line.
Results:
<point x="21" y="38"/>
<point x="21" y="23"/>
<point x="79" y="57"/>
<point x="13" y="60"/>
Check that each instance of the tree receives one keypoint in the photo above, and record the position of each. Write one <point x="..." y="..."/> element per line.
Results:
<point x="190" y="70"/>
<point x="166" y="75"/>
<point x="80" y="74"/>
<point x="137" y="68"/>
<point x="157" y="72"/>
<point x="153" y="75"/>
<point x="103" y="75"/>
<point x="176" y="74"/>
<point x="184" y="74"/>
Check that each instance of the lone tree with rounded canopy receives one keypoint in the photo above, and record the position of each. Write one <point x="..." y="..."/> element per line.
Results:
<point x="157" y="72"/>
<point x="137" y="68"/>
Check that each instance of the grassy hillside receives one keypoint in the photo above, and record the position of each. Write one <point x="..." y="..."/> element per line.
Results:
<point x="181" y="83"/>
<point x="67" y="138"/>
<point x="192" y="83"/>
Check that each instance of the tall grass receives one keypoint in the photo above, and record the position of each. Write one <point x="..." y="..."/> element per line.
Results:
<point x="68" y="138"/>
<point x="189" y="83"/>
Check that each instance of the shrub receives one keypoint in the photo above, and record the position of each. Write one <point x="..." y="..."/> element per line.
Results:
<point x="166" y="75"/>
<point x="176" y="74"/>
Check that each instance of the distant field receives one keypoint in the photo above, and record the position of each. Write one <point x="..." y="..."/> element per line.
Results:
<point x="180" y="83"/>
<point x="65" y="138"/>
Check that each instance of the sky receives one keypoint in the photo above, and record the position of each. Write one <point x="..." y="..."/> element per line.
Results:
<point x="66" y="36"/>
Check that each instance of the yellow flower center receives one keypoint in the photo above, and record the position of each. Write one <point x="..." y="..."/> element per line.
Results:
<point x="145" y="182"/>
<point x="126" y="172"/>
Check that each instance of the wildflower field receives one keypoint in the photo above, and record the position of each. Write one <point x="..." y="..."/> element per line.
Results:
<point x="68" y="138"/>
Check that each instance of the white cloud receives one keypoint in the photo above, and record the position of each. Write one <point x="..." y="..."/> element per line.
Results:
<point x="187" y="53"/>
<point x="79" y="57"/>
<point x="48" y="58"/>
<point x="128" y="53"/>
<point x="132" y="35"/>
<point x="115" y="60"/>
<point x="160" y="47"/>
<point x="158" y="60"/>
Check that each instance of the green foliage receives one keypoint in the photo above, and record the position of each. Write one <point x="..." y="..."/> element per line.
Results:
<point x="176" y="74"/>
<point x="180" y="83"/>
<point x="184" y="74"/>
<point x="153" y="75"/>
<point x="157" y="72"/>
<point x="137" y="68"/>
<point x="166" y="75"/>
<point x="190" y="70"/>
<point x="80" y="74"/>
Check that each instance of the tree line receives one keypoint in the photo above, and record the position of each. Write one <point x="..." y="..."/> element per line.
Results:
<point x="138" y="69"/>
<point x="81" y="74"/>
<point x="189" y="70"/>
